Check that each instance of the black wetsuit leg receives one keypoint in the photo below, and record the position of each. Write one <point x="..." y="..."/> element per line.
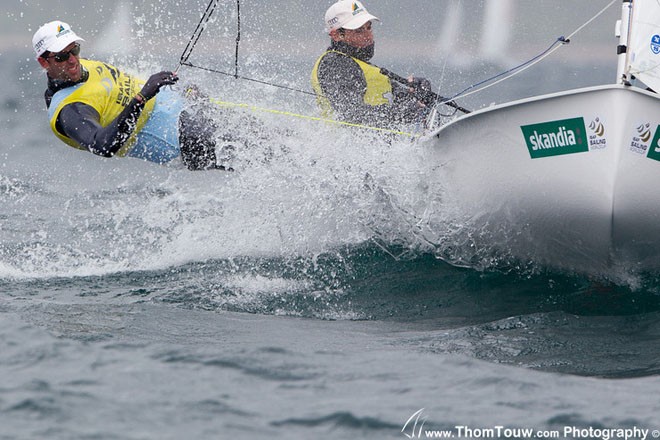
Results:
<point x="197" y="140"/>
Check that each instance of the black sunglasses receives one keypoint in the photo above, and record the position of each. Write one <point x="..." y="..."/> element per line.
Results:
<point x="61" y="57"/>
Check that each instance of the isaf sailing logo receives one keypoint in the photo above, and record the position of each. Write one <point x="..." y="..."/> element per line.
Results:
<point x="644" y="142"/>
<point x="644" y="132"/>
<point x="597" y="127"/>
<point x="640" y="139"/>
<point x="555" y="138"/>
<point x="597" y="138"/>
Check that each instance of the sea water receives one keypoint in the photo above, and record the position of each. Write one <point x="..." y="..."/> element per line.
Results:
<point x="293" y="298"/>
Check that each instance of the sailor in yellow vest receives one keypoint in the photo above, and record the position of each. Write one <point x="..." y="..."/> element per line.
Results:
<point x="96" y="107"/>
<point x="349" y="88"/>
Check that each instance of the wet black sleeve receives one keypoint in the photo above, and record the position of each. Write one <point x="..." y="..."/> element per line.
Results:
<point x="407" y="108"/>
<point x="81" y="123"/>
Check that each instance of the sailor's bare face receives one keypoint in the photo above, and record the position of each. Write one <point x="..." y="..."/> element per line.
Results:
<point x="62" y="69"/>
<point x="360" y="37"/>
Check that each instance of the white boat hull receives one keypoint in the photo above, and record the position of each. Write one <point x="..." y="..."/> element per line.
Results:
<point x="532" y="186"/>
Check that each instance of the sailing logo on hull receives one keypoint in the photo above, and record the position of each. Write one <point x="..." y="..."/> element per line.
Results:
<point x="640" y="139"/>
<point x="597" y="135"/>
<point x="555" y="138"/>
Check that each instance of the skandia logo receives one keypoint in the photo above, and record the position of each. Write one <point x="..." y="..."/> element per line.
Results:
<point x="357" y="8"/>
<point x="554" y="138"/>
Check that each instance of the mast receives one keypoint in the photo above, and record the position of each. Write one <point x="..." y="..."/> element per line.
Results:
<point x="623" y="32"/>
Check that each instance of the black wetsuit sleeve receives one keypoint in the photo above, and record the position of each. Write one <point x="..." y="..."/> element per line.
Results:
<point x="344" y="84"/>
<point x="407" y="107"/>
<point x="81" y="123"/>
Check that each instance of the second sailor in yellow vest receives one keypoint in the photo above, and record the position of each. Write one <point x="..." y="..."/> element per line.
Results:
<point x="351" y="89"/>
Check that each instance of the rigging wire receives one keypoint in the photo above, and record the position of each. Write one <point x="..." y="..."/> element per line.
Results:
<point x="238" y="36"/>
<point x="514" y="70"/>
<point x="475" y="88"/>
<point x="457" y="8"/>
<point x="201" y="26"/>
<point x="244" y="78"/>
<point x="527" y="64"/>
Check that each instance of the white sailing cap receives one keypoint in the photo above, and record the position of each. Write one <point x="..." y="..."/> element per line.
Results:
<point x="53" y="37"/>
<point x="347" y="14"/>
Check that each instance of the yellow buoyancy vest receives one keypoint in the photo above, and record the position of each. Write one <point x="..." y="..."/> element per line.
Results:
<point x="108" y="91"/>
<point x="379" y="86"/>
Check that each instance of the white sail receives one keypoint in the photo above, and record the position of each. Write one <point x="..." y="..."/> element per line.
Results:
<point x="451" y="28"/>
<point x="496" y="31"/>
<point x="461" y="20"/>
<point x="644" y="42"/>
<point x="117" y="36"/>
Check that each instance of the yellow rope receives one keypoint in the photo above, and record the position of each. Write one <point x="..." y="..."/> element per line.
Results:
<point x="311" y="118"/>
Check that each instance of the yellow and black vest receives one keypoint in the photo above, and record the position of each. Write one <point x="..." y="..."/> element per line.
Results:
<point x="379" y="86"/>
<point x="108" y="91"/>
